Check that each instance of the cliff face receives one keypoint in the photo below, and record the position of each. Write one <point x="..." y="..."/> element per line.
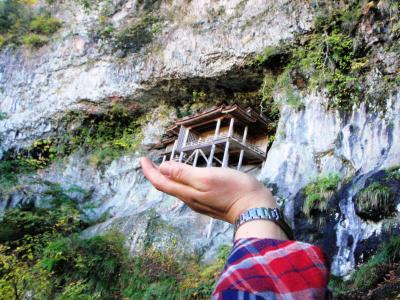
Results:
<point x="194" y="46"/>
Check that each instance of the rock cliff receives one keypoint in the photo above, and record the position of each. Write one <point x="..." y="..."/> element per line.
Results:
<point x="194" y="47"/>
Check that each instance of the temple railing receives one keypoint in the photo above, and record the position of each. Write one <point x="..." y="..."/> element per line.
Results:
<point x="236" y="137"/>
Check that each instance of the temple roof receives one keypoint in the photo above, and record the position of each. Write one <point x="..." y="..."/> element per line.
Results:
<point x="246" y="116"/>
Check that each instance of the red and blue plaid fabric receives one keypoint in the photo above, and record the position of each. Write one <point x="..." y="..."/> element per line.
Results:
<point x="273" y="269"/>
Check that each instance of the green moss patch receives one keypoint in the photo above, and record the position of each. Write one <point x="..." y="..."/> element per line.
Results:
<point x="318" y="193"/>
<point x="375" y="202"/>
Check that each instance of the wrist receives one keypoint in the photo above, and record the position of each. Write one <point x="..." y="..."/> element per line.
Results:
<point x="262" y="198"/>
<point x="260" y="229"/>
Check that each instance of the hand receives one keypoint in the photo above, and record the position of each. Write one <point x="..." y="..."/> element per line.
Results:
<point x="221" y="193"/>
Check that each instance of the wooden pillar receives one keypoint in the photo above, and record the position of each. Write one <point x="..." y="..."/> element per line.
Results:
<point x="173" y="150"/>
<point x="240" y="160"/>
<point x="245" y="134"/>
<point x="230" y="132"/>
<point x="242" y="151"/>
<point x="164" y="158"/>
<point x="217" y="128"/>
<point x="225" y="160"/>
<point x="216" y="134"/>
<point x="211" y="157"/>
<point x="196" y="157"/>
<point x="184" y="143"/>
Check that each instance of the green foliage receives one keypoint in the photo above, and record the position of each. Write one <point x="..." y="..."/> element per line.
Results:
<point x="78" y="290"/>
<point x="136" y="35"/>
<point x="34" y="40"/>
<point x="325" y="63"/>
<point x="9" y="172"/>
<point x="318" y="193"/>
<point x="331" y="59"/>
<point x="107" y="136"/>
<point x="65" y="218"/>
<point x="3" y="115"/>
<point x="24" y="234"/>
<point x="20" y="24"/>
<point x="104" y="137"/>
<point x="377" y="197"/>
<point x="265" y="58"/>
<point x="3" y="40"/>
<point x="393" y="173"/>
<point x="45" y="25"/>
<point x="97" y="262"/>
<point x="10" y="13"/>
<point x="53" y="263"/>
<point x="37" y="156"/>
<point x="373" y="271"/>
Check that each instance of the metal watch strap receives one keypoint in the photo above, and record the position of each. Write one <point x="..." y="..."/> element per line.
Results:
<point x="263" y="213"/>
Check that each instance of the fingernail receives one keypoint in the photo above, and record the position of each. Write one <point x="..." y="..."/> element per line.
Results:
<point x="165" y="169"/>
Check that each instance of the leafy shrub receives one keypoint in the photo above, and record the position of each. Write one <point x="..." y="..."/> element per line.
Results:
<point x="3" y="40"/>
<point x="135" y="36"/>
<point x="45" y="25"/>
<point x="78" y="290"/>
<point x="9" y="172"/>
<point x="97" y="261"/>
<point x="11" y="11"/>
<point x="20" y="24"/>
<point x="51" y="262"/>
<point x="34" y="40"/>
<point x="65" y="217"/>
<point x="106" y="136"/>
<point x="319" y="193"/>
<point x="393" y="173"/>
<point x="332" y="59"/>
<point x="266" y="56"/>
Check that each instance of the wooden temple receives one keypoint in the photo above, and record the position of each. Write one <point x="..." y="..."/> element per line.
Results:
<point x="226" y="136"/>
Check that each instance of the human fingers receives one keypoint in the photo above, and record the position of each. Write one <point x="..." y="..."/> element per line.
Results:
<point x="185" y="193"/>
<point x="201" y="179"/>
<point x="165" y="184"/>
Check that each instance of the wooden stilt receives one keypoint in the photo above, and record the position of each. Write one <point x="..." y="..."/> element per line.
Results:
<point x="242" y="151"/>
<point x="173" y="150"/>
<point x="211" y="157"/>
<point x="225" y="160"/>
<point x="240" y="160"/>
<point x="217" y="128"/>
<point x="246" y="129"/>
<point x="216" y="134"/>
<point x="184" y="143"/>
<point x="181" y="156"/>
<point x="196" y="157"/>
<point x="164" y="158"/>
<point x="230" y="132"/>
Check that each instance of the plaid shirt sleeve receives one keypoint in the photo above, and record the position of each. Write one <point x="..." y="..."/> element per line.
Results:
<point x="273" y="269"/>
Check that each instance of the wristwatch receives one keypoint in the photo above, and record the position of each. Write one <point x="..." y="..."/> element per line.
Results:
<point x="263" y="213"/>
